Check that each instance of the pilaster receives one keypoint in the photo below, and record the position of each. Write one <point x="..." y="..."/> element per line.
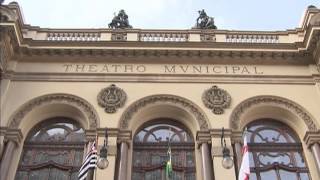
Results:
<point x="203" y="140"/>
<point x="219" y="170"/>
<point x="312" y="139"/>
<point x="13" y="138"/>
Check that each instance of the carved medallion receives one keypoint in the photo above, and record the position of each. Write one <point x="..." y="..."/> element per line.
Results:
<point x="111" y="98"/>
<point x="216" y="99"/>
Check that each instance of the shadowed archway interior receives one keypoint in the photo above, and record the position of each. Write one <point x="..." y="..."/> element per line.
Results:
<point x="151" y="146"/>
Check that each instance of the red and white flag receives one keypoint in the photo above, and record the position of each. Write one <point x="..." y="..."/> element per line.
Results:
<point x="244" y="171"/>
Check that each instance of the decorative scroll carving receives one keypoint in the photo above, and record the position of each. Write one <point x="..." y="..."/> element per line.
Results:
<point x="68" y="99"/>
<point x="169" y="99"/>
<point x="273" y="100"/>
<point x="111" y="98"/>
<point x="216" y="99"/>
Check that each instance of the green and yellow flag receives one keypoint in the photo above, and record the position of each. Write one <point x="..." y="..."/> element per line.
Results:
<point x="169" y="164"/>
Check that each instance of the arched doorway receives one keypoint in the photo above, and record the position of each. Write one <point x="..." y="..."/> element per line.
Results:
<point x="150" y="151"/>
<point x="275" y="151"/>
<point x="53" y="149"/>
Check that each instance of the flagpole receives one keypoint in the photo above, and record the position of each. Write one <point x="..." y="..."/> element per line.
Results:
<point x="244" y="171"/>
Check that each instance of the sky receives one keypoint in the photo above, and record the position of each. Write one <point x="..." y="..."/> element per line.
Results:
<point x="268" y="15"/>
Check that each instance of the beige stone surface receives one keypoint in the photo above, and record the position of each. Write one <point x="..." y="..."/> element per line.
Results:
<point x="59" y="72"/>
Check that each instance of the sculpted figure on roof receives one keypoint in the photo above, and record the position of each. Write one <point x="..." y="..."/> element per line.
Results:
<point x="120" y="21"/>
<point x="204" y="21"/>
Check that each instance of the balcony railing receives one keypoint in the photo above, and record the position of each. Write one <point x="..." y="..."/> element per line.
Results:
<point x="163" y="35"/>
<point x="252" y="38"/>
<point x="73" y="36"/>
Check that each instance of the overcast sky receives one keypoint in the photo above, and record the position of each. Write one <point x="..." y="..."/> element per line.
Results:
<point x="166" y="14"/>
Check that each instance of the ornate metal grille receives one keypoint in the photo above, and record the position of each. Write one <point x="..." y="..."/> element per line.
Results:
<point x="150" y="153"/>
<point x="52" y="150"/>
<point x="275" y="152"/>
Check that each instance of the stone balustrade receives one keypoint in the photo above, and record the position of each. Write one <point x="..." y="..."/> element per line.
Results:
<point x="252" y="38"/>
<point x="163" y="37"/>
<point x="166" y="36"/>
<point x="73" y="36"/>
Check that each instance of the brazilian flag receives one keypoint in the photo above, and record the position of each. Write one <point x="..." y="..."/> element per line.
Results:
<point x="169" y="165"/>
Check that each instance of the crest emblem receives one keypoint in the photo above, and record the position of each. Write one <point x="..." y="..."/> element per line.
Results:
<point x="111" y="98"/>
<point x="216" y="99"/>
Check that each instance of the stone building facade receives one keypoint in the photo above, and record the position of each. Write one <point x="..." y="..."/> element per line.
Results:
<point x="62" y="88"/>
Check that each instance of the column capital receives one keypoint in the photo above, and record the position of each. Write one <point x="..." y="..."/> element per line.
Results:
<point x="236" y="137"/>
<point x="91" y="134"/>
<point x="3" y="131"/>
<point x="203" y="137"/>
<point x="14" y="135"/>
<point x="124" y="136"/>
<point x="312" y="137"/>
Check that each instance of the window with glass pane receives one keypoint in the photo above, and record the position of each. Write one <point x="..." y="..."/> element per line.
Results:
<point x="52" y="150"/>
<point x="150" y="147"/>
<point x="275" y="152"/>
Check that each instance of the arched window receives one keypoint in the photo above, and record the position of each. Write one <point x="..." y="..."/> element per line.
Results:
<point x="150" y="147"/>
<point x="275" y="152"/>
<point x="52" y="150"/>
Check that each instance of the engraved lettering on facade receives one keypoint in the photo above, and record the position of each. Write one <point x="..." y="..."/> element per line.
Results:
<point x="162" y="69"/>
<point x="167" y="70"/>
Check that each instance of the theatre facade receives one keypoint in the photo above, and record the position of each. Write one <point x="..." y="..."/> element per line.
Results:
<point x="140" y="92"/>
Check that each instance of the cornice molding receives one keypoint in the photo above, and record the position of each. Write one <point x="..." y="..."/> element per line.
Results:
<point x="121" y="135"/>
<point x="200" y="116"/>
<point x="45" y="49"/>
<point x="275" y="101"/>
<point x="217" y="133"/>
<point x="173" y="78"/>
<point x="77" y="102"/>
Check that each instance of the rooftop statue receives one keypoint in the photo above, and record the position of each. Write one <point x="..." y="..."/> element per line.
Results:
<point x="120" y="21"/>
<point x="204" y="21"/>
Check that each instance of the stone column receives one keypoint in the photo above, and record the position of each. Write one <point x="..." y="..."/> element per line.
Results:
<point x="238" y="154"/>
<point x="13" y="138"/>
<point x="316" y="153"/>
<point x="203" y="140"/>
<point x="122" y="173"/>
<point x="3" y="131"/>
<point x="312" y="139"/>
<point x="236" y="140"/>
<point x="207" y="168"/>
<point x="7" y="156"/>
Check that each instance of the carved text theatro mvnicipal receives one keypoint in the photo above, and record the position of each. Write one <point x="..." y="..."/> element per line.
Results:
<point x="162" y="69"/>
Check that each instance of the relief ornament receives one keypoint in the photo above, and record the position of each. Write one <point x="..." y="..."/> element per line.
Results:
<point x="111" y="98"/>
<point x="216" y="99"/>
